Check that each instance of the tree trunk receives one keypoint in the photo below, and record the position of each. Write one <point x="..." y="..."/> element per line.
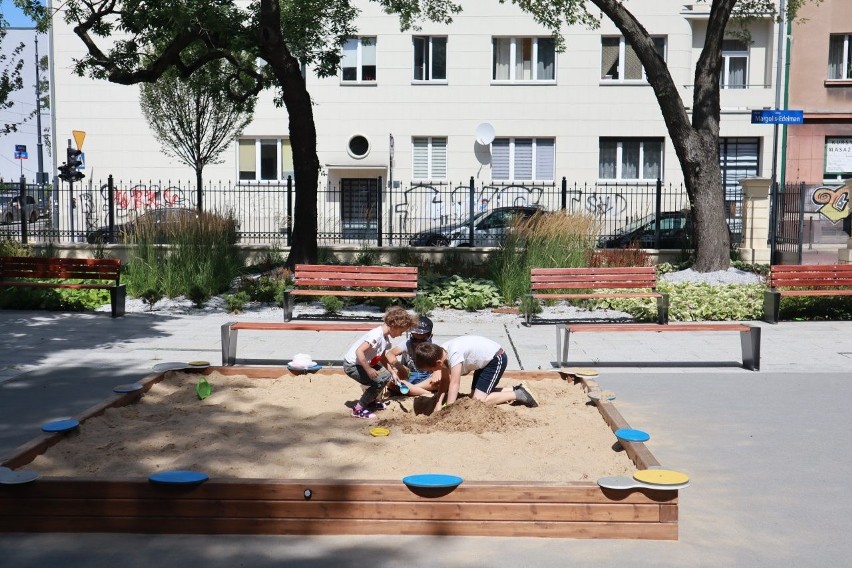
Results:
<point x="198" y="180"/>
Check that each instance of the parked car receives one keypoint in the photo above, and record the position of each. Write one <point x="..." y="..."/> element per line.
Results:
<point x="489" y="228"/>
<point x="163" y="220"/>
<point x="675" y="232"/>
<point x="10" y="208"/>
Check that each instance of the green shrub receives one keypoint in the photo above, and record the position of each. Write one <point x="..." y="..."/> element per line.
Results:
<point x="530" y="305"/>
<point x="151" y="296"/>
<point x="236" y="303"/>
<point x="11" y="247"/>
<point x="462" y="293"/>
<point x="331" y="304"/>
<point x="423" y="305"/>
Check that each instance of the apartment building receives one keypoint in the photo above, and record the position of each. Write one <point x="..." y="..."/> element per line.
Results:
<point x="487" y="97"/>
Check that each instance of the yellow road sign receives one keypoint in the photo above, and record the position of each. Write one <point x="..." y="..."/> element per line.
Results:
<point x="79" y="136"/>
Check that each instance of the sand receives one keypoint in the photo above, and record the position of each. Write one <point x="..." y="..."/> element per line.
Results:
<point x="299" y="427"/>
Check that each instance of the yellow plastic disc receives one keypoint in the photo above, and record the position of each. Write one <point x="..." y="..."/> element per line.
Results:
<point x="582" y="371"/>
<point x="198" y="363"/>
<point x="378" y="432"/>
<point x="660" y="477"/>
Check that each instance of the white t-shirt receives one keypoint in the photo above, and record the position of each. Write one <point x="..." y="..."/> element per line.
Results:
<point x="379" y="343"/>
<point x="472" y="351"/>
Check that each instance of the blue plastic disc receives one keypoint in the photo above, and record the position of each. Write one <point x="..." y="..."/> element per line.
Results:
<point x="178" y="477"/>
<point x="432" y="480"/>
<point x="132" y="387"/>
<point x="61" y="425"/>
<point x="311" y="368"/>
<point x="631" y="435"/>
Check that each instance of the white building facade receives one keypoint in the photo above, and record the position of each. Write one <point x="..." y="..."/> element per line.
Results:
<point x="487" y="97"/>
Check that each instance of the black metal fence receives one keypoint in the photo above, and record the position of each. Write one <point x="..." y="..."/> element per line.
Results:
<point x="361" y="211"/>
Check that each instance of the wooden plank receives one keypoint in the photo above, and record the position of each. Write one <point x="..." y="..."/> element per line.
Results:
<point x="330" y="291"/>
<point x="815" y="292"/>
<point x="302" y="509"/>
<point x="301" y="326"/>
<point x="655" y="327"/>
<point x="598" y="270"/>
<point x="356" y="269"/>
<point x="598" y="295"/>
<point x="626" y="530"/>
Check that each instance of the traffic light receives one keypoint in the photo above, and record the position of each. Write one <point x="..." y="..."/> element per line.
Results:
<point x="69" y="171"/>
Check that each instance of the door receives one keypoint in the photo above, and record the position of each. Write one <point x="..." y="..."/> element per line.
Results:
<point x="359" y="208"/>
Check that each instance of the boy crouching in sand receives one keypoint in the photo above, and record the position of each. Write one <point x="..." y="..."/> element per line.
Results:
<point x="468" y="353"/>
<point x="363" y="360"/>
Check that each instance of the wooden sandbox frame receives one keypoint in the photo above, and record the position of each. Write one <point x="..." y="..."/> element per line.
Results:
<point x="325" y="507"/>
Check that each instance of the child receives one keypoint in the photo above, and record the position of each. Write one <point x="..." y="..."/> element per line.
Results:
<point x="361" y="363"/>
<point x="401" y="358"/>
<point x="468" y="353"/>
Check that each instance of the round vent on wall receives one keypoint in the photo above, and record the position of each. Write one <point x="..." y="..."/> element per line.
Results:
<point x="485" y="133"/>
<point x="359" y="146"/>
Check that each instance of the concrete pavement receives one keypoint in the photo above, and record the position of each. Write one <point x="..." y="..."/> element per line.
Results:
<point x="766" y="451"/>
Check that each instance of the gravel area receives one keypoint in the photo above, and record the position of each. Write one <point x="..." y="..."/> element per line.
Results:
<point x="255" y="310"/>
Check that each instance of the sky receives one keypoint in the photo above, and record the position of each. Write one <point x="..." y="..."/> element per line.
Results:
<point x="12" y="14"/>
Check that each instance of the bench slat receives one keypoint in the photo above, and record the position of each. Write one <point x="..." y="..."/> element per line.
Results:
<point x="620" y="327"/>
<point x="354" y="283"/>
<point x="345" y="269"/>
<point x="593" y="295"/>
<point x="306" y="326"/>
<point x="353" y="293"/>
<point x="600" y="270"/>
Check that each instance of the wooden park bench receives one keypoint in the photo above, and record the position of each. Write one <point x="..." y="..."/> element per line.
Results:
<point x="75" y="273"/>
<point x="350" y="281"/>
<point x="598" y="283"/>
<point x="749" y="336"/>
<point x="231" y="330"/>
<point x="804" y="280"/>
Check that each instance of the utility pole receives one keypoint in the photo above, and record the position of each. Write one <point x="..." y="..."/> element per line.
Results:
<point x="41" y="175"/>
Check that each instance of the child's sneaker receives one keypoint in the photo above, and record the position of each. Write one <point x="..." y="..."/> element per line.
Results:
<point x="378" y="405"/>
<point x="525" y="396"/>
<point x="362" y="413"/>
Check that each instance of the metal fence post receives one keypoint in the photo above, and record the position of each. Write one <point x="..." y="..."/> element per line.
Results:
<point x="111" y="207"/>
<point x="659" y="211"/>
<point x="289" y="209"/>
<point x="23" y="209"/>
<point x="472" y="200"/>
<point x="379" y="214"/>
<point x="564" y="193"/>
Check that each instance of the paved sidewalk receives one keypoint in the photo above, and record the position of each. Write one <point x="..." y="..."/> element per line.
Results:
<point x="766" y="450"/>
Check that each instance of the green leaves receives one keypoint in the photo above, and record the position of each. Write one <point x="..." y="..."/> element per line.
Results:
<point x="465" y="293"/>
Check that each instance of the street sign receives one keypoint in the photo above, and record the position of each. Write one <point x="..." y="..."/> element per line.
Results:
<point x="766" y="116"/>
<point x="20" y="151"/>
<point x="79" y="136"/>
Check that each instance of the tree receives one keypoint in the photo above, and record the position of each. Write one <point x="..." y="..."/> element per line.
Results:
<point x="193" y="119"/>
<point x="696" y="139"/>
<point x="129" y="42"/>
<point x="11" y="66"/>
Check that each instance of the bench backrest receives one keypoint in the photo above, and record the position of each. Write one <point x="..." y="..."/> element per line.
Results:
<point x="61" y="268"/>
<point x="393" y="277"/>
<point x="810" y="276"/>
<point x="586" y="278"/>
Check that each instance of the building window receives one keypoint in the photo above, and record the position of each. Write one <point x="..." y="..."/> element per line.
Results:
<point x="619" y="61"/>
<point x="630" y="158"/>
<point x="358" y="63"/>
<point x="734" y="73"/>
<point x="840" y="57"/>
<point x="429" y="158"/>
<point x="264" y="159"/>
<point x="430" y="58"/>
<point x="523" y="159"/>
<point x="520" y="59"/>
<point x="359" y="208"/>
<point x="358" y="146"/>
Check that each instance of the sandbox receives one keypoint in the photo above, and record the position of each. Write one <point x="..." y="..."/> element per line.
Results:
<point x="278" y="466"/>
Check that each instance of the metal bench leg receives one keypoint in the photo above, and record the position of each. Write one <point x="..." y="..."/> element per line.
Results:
<point x="558" y="346"/>
<point x="288" y="306"/>
<point x="750" y="341"/>
<point x="663" y="309"/>
<point x="771" y="306"/>
<point x="229" y="344"/>
<point x="565" y="344"/>
<point x="117" y="297"/>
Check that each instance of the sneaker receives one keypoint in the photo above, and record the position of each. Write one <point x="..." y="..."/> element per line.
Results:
<point x="378" y="405"/>
<point x="525" y="396"/>
<point x="363" y="413"/>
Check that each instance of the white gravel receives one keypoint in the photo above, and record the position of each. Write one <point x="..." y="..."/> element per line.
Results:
<point x="271" y="312"/>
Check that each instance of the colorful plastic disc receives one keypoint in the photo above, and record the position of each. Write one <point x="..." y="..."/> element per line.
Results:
<point x="132" y="387"/>
<point x="178" y="477"/>
<point x="432" y="480"/>
<point x="631" y="435"/>
<point x="199" y="363"/>
<point x="61" y="425"/>
<point x="661" y="477"/>
<point x="379" y="432"/>
<point x="311" y="368"/>
<point x="17" y="477"/>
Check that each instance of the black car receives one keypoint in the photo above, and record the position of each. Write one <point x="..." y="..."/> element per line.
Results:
<point x="675" y="232"/>
<point x="489" y="228"/>
<point x="160" y="221"/>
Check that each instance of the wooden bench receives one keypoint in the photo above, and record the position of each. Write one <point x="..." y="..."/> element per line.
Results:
<point x="807" y="280"/>
<point x="749" y="336"/>
<point x="598" y="283"/>
<point x="33" y="272"/>
<point x="350" y="281"/>
<point x="231" y="329"/>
